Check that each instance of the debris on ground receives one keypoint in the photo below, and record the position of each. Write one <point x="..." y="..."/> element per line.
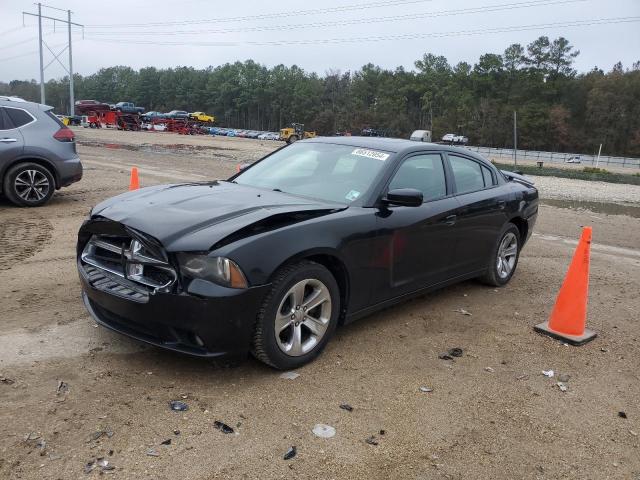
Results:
<point x="462" y="311"/>
<point x="290" y="453"/>
<point x="42" y="446"/>
<point x="426" y="389"/>
<point x="31" y="436"/>
<point x="346" y="406"/>
<point x="562" y="387"/>
<point x="62" y="388"/>
<point x="152" y="453"/>
<point x="176" y="432"/>
<point x="522" y="377"/>
<point x="371" y="440"/>
<point x="100" y="433"/>
<point x="563" y="377"/>
<point x="324" y="431"/>
<point x="166" y="442"/>
<point x="223" y="427"/>
<point x="289" y="375"/>
<point x="6" y="380"/>
<point x="622" y="414"/>
<point x="489" y="369"/>
<point x="100" y="463"/>
<point x="452" y="352"/>
<point x="382" y="432"/>
<point x="548" y="373"/>
<point x="178" y="406"/>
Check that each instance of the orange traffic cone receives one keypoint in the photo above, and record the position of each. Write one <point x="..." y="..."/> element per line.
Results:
<point x="134" y="183"/>
<point x="568" y="318"/>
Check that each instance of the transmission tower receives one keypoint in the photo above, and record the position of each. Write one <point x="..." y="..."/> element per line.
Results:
<point x="56" y="57"/>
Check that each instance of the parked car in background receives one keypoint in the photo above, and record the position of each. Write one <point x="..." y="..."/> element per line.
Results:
<point x="202" y="117"/>
<point x="573" y="159"/>
<point x="82" y="107"/>
<point x="448" y="137"/>
<point x="37" y="153"/>
<point x="152" y="115"/>
<point x="460" y="140"/>
<point x="373" y="132"/>
<point x="177" y="114"/>
<point x="421" y="136"/>
<point x="128" y="107"/>
<point x="315" y="235"/>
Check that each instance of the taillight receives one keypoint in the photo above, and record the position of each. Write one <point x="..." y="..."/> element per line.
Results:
<point x="64" y="135"/>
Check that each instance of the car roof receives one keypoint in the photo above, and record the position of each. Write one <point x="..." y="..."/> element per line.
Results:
<point x="393" y="145"/>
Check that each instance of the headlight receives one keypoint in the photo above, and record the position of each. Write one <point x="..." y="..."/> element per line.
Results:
<point x="218" y="270"/>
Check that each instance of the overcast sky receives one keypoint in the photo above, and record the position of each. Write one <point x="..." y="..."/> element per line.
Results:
<point x="129" y="33"/>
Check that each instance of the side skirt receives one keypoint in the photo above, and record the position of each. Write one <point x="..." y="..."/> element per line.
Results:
<point x="351" y="317"/>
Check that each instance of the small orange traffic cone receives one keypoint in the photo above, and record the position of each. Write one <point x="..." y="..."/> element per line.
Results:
<point x="134" y="183"/>
<point x="569" y="315"/>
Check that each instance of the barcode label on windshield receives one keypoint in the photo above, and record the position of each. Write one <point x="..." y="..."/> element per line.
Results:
<point x="363" y="152"/>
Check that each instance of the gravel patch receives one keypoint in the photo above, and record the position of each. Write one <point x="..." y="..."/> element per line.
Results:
<point x="583" y="190"/>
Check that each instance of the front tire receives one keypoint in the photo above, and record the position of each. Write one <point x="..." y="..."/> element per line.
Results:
<point x="297" y="317"/>
<point x="28" y="185"/>
<point x="504" y="259"/>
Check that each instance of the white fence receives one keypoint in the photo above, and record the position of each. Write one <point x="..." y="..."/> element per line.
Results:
<point x="556" y="157"/>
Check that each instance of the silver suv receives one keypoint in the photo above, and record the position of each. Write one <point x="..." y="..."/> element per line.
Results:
<point x="37" y="152"/>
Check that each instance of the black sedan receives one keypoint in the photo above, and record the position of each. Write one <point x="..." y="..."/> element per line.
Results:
<point x="314" y="235"/>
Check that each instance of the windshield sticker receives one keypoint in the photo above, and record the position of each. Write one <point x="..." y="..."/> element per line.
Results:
<point x="364" y="152"/>
<point x="352" y="195"/>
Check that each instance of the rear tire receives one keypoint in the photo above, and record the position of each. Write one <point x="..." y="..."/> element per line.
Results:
<point x="504" y="259"/>
<point x="28" y="185"/>
<point x="292" y="139"/>
<point x="297" y="317"/>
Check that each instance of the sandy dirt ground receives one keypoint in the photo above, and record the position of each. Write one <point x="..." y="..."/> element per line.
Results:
<point x="491" y="414"/>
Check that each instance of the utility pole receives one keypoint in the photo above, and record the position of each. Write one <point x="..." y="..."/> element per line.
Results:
<point x="515" y="138"/>
<point x="56" y="57"/>
<point x="41" y="56"/>
<point x="71" y="96"/>
<point x="598" y="159"/>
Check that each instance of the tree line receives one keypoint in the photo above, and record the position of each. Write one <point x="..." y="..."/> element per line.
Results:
<point x="558" y="109"/>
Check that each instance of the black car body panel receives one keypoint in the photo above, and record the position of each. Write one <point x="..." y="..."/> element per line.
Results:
<point x="379" y="253"/>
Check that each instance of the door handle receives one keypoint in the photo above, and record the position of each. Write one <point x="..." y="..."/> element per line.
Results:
<point x="450" y="220"/>
<point x="502" y="204"/>
<point x="8" y="140"/>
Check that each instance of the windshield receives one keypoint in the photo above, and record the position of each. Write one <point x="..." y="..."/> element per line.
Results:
<point x="337" y="173"/>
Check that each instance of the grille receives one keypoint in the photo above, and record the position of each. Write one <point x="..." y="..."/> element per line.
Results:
<point x="125" y="266"/>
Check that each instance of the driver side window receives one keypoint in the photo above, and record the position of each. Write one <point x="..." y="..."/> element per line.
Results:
<point x="423" y="172"/>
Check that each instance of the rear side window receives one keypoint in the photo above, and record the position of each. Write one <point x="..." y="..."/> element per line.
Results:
<point x="488" y="178"/>
<point x="3" y="123"/>
<point x="55" y="119"/>
<point x="467" y="174"/>
<point x="18" y="117"/>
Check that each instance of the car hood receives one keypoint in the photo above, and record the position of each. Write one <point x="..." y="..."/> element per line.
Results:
<point x="197" y="216"/>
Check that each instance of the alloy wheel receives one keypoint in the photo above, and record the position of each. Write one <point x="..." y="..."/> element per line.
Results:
<point x="507" y="253"/>
<point x="31" y="185"/>
<point x="303" y="317"/>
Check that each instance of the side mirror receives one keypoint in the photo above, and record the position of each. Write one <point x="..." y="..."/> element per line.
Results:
<point x="406" y="197"/>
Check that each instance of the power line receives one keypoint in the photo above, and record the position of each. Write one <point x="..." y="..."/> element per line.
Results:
<point x="33" y="52"/>
<point x="11" y="30"/>
<point x="266" y="16"/>
<point x="394" y="18"/>
<point x="30" y="39"/>
<point x="378" y="38"/>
